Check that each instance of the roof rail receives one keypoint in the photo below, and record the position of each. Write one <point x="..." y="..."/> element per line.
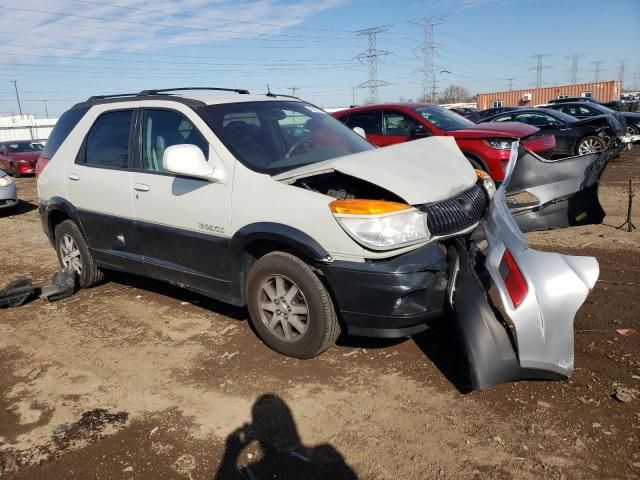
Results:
<point x="163" y="90"/>
<point x="115" y="95"/>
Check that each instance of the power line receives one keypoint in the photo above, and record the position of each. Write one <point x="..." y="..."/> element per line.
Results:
<point x="15" y="86"/>
<point x="574" y="66"/>
<point x="371" y="55"/>
<point x="596" y="70"/>
<point x="539" y="67"/>
<point x="429" y="83"/>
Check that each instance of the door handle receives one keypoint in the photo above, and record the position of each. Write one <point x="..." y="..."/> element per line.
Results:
<point x="74" y="177"/>
<point x="141" y="187"/>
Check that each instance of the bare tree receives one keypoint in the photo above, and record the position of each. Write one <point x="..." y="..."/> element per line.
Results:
<point x="455" y="94"/>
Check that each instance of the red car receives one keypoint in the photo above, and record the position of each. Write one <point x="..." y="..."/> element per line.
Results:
<point x="19" y="158"/>
<point x="487" y="146"/>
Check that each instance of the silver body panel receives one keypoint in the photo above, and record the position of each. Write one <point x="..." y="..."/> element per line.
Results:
<point x="9" y="193"/>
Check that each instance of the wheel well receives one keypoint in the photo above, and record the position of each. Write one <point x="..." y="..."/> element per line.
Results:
<point x="478" y="160"/>
<point x="56" y="217"/>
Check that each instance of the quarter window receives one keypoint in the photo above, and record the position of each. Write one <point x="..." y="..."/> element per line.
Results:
<point x="108" y="141"/>
<point x="368" y="121"/>
<point x="162" y="129"/>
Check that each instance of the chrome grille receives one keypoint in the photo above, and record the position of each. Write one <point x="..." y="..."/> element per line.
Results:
<point x="456" y="213"/>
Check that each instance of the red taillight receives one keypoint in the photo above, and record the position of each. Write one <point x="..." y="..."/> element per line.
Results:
<point x="513" y="279"/>
<point x="40" y="164"/>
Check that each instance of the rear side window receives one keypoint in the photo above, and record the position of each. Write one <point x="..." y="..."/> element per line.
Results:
<point x="62" y="129"/>
<point x="108" y="140"/>
<point x="368" y="121"/>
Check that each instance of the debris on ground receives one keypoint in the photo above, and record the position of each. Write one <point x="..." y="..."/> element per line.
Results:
<point x="16" y="292"/>
<point x="623" y="394"/>
<point x="62" y="286"/>
<point x="625" y="332"/>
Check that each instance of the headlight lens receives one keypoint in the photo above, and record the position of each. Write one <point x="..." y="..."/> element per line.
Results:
<point x="6" y="181"/>
<point x="381" y="225"/>
<point x="498" y="143"/>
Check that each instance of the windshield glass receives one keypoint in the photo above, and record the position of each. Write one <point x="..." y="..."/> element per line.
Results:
<point x="23" y="147"/>
<point x="275" y="136"/>
<point x="442" y="118"/>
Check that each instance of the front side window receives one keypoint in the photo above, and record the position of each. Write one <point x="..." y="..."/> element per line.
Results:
<point x="368" y="121"/>
<point x="162" y="129"/>
<point x="536" y="119"/>
<point x="276" y="136"/>
<point x="497" y="103"/>
<point x="108" y="140"/>
<point x="442" y="118"/>
<point x="398" y="124"/>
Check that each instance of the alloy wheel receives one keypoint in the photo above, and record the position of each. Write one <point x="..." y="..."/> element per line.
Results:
<point x="283" y="308"/>
<point x="70" y="254"/>
<point x="590" y="145"/>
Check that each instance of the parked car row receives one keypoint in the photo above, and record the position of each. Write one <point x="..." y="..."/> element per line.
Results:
<point x="19" y="158"/>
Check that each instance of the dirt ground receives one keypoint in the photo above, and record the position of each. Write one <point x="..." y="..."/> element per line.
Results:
<point x="137" y="379"/>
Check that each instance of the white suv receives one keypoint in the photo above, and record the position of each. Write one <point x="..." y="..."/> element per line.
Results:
<point x="269" y="202"/>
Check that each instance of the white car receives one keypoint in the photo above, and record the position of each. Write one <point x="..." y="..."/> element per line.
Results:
<point x="8" y="192"/>
<point x="268" y="201"/>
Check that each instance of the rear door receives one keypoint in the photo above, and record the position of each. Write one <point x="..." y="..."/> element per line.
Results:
<point x="182" y="223"/>
<point x="99" y="186"/>
<point x="547" y="124"/>
<point x="371" y="122"/>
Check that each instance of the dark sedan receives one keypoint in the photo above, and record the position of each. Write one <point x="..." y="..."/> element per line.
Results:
<point x="631" y="121"/>
<point x="573" y="136"/>
<point x="490" y="112"/>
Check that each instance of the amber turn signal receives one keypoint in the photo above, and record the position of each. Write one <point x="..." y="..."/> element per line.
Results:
<point x="366" y="207"/>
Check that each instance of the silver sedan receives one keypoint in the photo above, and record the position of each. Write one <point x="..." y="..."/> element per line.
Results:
<point x="8" y="193"/>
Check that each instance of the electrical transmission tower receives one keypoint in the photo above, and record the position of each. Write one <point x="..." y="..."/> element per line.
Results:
<point x="293" y="90"/>
<point x="539" y="67"/>
<point x="596" y="70"/>
<point x="621" y="73"/>
<point x="371" y="55"/>
<point x="510" y="80"/>
<point x="427" y="52"/>
<point x="574" y="66"/>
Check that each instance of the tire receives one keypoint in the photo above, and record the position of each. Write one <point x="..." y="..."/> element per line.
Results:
<point x="320" y="323"/>
<point x="633" y="130"/>
<point x="475" y="164"/>
<point x="13" y="171"/>
<point x="88" y="273"/>
<point x="582" y="146"/>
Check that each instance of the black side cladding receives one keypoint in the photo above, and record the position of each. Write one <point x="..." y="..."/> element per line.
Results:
<point x="567" y="189"/>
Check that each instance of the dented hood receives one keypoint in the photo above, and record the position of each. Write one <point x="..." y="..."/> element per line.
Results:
<point x="420" y="171"/>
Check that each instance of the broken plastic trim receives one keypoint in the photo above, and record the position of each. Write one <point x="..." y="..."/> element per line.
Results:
<point x="565" y="190"/>
<point x="16" y="292"/>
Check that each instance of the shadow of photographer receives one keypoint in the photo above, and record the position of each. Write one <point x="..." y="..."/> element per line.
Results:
<point x="282" y="454"/>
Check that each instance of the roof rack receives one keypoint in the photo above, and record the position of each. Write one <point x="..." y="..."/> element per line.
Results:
<point x="163" y="90"/>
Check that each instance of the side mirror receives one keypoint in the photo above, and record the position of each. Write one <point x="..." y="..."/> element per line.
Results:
<point x="419" y="131"/>
<point x="188" y="160"/>
<point x="360" y="131"/>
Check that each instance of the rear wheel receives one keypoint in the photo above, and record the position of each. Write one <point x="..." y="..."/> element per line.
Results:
<point x="632" y="130"/>
<point x="590" y="144"/>
<point x="289" y="306"/>
<point x="74" y="254"/>
<point x="13" y="171"/>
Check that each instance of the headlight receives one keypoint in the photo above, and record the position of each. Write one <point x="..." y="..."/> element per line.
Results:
<point x="487" y="183"/>
<point x="498" y="143"/>
<point x="6" y="181"/>
<point x="381" y="225"/>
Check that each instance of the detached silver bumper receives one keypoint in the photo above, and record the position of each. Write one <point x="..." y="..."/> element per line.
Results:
<point x="534" y="339"/>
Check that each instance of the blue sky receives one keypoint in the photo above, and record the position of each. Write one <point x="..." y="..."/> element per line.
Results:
<point x="63" y="51"/>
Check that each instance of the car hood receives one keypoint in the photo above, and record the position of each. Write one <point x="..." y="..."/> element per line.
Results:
<point x="500" y="129"/>
<point x="420" y="171"/>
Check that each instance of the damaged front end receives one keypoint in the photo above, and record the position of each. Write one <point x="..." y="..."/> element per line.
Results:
<point x="515" y="306"/>
<point x="547" y="194"/>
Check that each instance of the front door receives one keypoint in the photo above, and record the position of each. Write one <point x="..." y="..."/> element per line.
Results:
<point x="182" y="223"/>
<point x="397" y="127"/>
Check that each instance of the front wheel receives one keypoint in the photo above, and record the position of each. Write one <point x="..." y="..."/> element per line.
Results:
<point x="289" y="306"/>
<point x="13" y="171"/>
<point x="590" y="144"/>
<point x="74" y="254"/>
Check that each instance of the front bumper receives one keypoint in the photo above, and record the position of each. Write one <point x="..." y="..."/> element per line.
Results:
<point x="26" y="168"/>
<point x="389" y="298"/>
<point x="8" y="196"/>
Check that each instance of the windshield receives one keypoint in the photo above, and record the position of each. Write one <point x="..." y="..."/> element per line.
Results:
<point x="275" y="136"/>
<point x="23" y="147"/>
<point x="563" y="117"/>
<point x="442" y="118"/>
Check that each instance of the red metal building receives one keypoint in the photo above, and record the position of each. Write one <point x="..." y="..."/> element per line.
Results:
<point x="603" y="91"/>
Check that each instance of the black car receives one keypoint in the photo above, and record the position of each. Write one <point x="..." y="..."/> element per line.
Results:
<point x="613" y="105"/>
<point x="466" y="112"/>
<point x="490" y="112"/>
<point x="573" y="136"/>
<point x="630" y="121"/>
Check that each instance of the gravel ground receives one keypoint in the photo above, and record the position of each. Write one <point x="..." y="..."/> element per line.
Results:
<point x="137" y="379"/>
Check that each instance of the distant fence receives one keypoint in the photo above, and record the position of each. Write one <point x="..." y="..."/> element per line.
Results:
<point x="25" y="127"/>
